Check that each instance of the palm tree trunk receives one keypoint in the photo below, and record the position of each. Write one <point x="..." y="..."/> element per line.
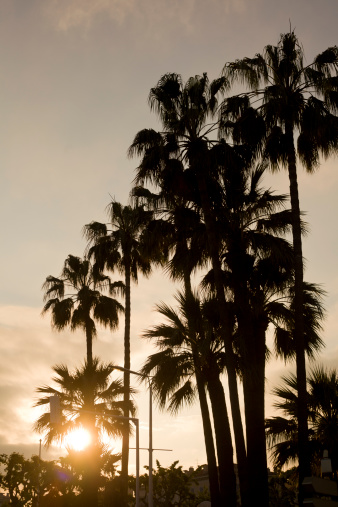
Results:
<point x="252" y="351"/>
<point x="304" y="461"/>
<point x="91" y="478"/>
<point x="227" y="477"/>
<point x="126" y="383"/>
<point x="227" y="338"/>
<point x="91" y="472"/>
<point x="89" y="344"/>
<point x="254" y="397"/>
<point x="215" y="496"/>
<point x="207" y="429"/>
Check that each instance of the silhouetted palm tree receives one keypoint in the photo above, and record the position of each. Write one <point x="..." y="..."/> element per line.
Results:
<point x="190" y="360"/>
<point x="186" y="113"/>
<point x="257" y="268"/>
<point x="258" y="275"/>
<point x="257" y="264"/>
<point x="75" y="299"/>
<point x="177" y="231"/>
<point x="89" y="398"/>
<point x="293" y="99"/>
<point x="119" y="246"/>
<point x="283" y="320"/>
<point x="322" y="418"/>
<point x="76" y="390"/>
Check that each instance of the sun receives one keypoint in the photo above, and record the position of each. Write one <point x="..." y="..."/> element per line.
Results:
<point x="78" y="439"/>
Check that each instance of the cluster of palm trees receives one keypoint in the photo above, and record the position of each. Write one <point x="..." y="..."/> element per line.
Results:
<point x="82" y="297"/>
<point x="198" y="208"/>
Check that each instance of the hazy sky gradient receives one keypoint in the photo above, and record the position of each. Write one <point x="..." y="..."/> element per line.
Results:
<point x="75" y="76"/>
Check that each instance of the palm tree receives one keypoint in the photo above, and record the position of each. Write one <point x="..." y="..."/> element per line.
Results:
<point x="76" y="390"/>
<point x="75" y="299"/>
<point x="190" y="360"/>
<point x="120" y="247"/>
<point x="90" y="399"/>
<point x="186" y="113"/>
<point x="258" y="275"/>
<point x="257" y="264"/>
<point x="179" y="233"/>
<point x="293" y="99"/>
<point x="322" y="418"/>
<point x="257" y="267"/>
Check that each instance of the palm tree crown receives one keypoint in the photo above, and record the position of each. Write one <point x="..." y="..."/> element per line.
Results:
<point x="323" y="418"/>
<point x="174" y="367"/>
<point x="86" y="389"/>
<point x="89" y="399"/>
<point x="289" y="94"/>
<point x="75" y="299"/>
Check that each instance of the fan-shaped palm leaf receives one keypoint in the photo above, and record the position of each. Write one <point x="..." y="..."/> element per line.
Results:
<point x="76" y="300"/>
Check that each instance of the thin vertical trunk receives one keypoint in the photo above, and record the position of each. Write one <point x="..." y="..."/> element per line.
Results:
<point x="91" y="478"/>
<point x="303" y="443"/>
<point x="91" y="472"/>
<point x="215" y="496"/>
<point x="227" y="477"/>
<point x="252" y="351"/>
<point x="207" y="429"/>
<point x="89" y="345"/>
<point x="226" y="474"/>
<point x="254" y="397"/>
<point x="227" y="337"/>
<point x="126" y="384"/>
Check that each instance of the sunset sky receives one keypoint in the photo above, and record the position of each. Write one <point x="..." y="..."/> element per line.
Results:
<point x="74" y="81"/>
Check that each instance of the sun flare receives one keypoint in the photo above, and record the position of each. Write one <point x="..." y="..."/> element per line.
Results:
<point x="78" y="439"/>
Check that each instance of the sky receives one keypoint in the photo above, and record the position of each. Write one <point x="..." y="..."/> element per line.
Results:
<point x="74" y="80"/>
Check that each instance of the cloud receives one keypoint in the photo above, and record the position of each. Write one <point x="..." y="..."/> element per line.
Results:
<point x="29" y="349"/>
<point x="67" y="14"/>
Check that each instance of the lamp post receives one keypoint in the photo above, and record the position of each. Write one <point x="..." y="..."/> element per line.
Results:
<point x="137" y="492"/>
<point x="148" y="377"/>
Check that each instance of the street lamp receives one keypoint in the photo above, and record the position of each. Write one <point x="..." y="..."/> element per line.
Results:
<point x="148" y="377"/>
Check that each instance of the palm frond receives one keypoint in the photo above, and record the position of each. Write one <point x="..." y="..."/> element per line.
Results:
<point x="184" y="395"/>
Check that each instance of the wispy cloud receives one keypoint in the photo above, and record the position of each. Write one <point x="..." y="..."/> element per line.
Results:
<point x="67" y="14"/>
<point x="29" y="348"/>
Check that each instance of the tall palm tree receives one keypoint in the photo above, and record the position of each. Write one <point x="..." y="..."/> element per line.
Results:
<point x="75" y="299"/>
<point x="119" y="246"/>
<point x="294" y="100"/>
<point x="186" y="113"/>
<point x="257" y="263"/>
<point x="89" y="398"/>
<point x="283" y="318"/>
<point x="257" y="268"/>
<point x="189" y="361"/>
<point x="258" y="273"/>
<point x="178" y="232"/>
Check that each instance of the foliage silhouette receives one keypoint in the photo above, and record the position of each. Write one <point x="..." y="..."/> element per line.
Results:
<point x="292" y="99"/>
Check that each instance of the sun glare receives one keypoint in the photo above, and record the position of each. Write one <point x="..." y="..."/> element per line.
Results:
<point x="78" y="439"/>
